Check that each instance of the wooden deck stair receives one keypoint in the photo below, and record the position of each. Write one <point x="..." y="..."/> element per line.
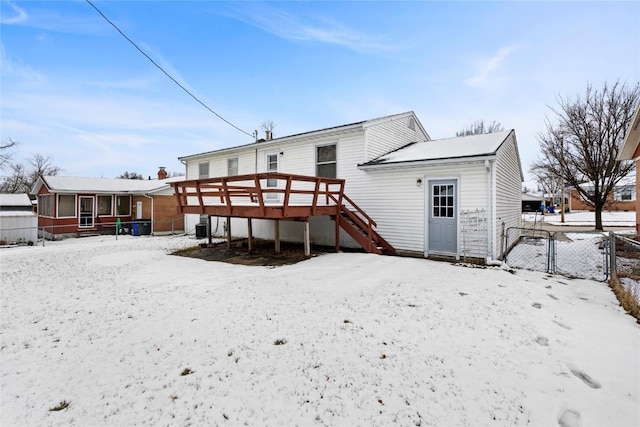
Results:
<point x="294" y="198"/>
<point x="361" y="228"/>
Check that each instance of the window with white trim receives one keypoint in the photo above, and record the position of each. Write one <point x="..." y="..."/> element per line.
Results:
<point x="45" y="205"/>
<point x="232" y="166"/>
<point x="326" y="161"/>
<point x="123" y="205"/>
<point x="203" y="170"/>
<point x="66" y="205"/>
<point x="104" y="205"/>
<point x="625" y="194"/>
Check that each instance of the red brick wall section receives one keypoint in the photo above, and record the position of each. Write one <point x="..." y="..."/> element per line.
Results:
<point x="166" y="211"/>
<point x="577" y="204"/>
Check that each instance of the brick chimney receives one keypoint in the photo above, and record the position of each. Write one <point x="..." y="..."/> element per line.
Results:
<point x="162" y="173"/>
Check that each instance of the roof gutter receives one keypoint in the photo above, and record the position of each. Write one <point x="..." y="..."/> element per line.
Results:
<point x="431" y="162"/>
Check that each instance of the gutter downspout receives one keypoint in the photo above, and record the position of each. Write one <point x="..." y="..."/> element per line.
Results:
<point x="488" y="168"/>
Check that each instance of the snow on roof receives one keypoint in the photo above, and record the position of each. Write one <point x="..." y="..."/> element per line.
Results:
<point x="449" y="148"/>
<point x="20" y="199"/>
<point x="629" y="180"/>
<point x="531" y="197"/>
<point x="104" y="185"/>
<point x="288" y="138"/>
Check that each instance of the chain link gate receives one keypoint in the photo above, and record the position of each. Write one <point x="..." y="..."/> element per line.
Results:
<point x="581" y="255"/>
<point x="528" y="248"/>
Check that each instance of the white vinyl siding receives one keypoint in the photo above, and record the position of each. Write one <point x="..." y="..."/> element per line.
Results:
<point x="508" y="188"/>
<point x="390" y="135"/>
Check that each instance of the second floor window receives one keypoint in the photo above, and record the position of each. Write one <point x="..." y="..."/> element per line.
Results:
<point x="203" y="170"/>
<point x="326" y="161"/>
<point x="232" y="166"/>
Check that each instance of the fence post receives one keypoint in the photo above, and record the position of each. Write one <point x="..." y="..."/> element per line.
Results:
<point x="613" y="273"/>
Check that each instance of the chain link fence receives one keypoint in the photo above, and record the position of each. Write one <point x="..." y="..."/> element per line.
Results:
<point x="32" y="235"/>
<point x="527" y="248"/>
<point x="626" y="264"/>
<point x="583" y="255"/>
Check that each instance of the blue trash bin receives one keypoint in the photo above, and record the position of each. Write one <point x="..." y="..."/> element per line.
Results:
<point x="552" y="209"/>
<point x="134" y="229"/>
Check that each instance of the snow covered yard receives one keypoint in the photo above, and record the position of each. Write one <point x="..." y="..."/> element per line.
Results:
<point x="110" y="327"/>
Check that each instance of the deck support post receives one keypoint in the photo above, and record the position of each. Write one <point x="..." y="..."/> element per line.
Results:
<point x="208" y="228"/>
<point x="249" y="235"/>
<point x="276" y="235"/>
<point x="307" y="244"/>
<point x="228" y="232"/>
<point x="337" y="224"/>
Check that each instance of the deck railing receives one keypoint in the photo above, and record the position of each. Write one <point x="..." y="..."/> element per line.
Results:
<point x="263" y="190"/>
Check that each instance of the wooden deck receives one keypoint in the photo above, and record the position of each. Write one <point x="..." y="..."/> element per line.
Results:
<point x="280" y="196"/>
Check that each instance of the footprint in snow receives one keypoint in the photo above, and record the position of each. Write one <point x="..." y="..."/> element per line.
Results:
<point x="569" y="418"/>
<point x="562" y="325"/>
<point x="585" y="378"/>
<point x="536" y="305"/>
<point x="553" y="297"/>
<point x="543" y="341"/>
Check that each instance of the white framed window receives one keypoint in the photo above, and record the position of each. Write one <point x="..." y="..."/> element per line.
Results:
<point x="625" y="194"/>
<point x="232" y="166"/>
<point x="105" y="205"/>
<point x="271" y="165"/>
<point x="203" y="170"/>
<point x="45" y="205"/>
<point x="326" y="161"/>
<point x="123" y="205"/>
<point x="66" y="206"/>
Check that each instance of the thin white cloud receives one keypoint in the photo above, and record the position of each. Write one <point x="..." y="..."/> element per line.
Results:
<point x="9" y="67"/>
<point x="488" y="70"/>
<point x="292" y="27"/>
<point x="15" y="15"/>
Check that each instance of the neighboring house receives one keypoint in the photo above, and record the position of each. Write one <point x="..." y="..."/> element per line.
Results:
<point x="623" y="197"/>
<point x="631" y="151"/>
<point x="18" y="222"/>
<point x="446" y="197"/>
<point x="73" y="206"/>
<point x="532" y="202"/>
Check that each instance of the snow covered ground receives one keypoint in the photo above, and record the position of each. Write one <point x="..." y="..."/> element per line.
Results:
<point x="110" y="327"/>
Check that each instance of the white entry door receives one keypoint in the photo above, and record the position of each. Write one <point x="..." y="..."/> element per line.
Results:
<point x="138" y="210"/>
<point x="86" y="211"/>
<point x="442" y="216"/>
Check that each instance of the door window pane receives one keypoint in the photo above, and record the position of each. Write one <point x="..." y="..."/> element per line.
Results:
<point x="443" y="201"/>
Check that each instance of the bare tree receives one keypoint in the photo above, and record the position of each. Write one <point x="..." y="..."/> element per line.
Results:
<point x="479" y="127"/>
<point x="22" y="179"/>
<point x="6" y="153"/>
<point x="583" y="142"/>
<point x="17" y="182"/>
<point x="130" y="175"/>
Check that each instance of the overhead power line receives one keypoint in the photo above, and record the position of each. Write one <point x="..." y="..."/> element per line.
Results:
<point x="164" y="72"/>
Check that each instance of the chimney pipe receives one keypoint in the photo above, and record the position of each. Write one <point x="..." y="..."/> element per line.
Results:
<point x="268" y="135"/>
<point x="162" y="173"/>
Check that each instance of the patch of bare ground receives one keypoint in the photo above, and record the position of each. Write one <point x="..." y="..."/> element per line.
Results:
<point x="262" y="254"/>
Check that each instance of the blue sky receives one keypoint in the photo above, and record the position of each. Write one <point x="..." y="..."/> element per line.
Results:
<point x="74" y="89"/>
